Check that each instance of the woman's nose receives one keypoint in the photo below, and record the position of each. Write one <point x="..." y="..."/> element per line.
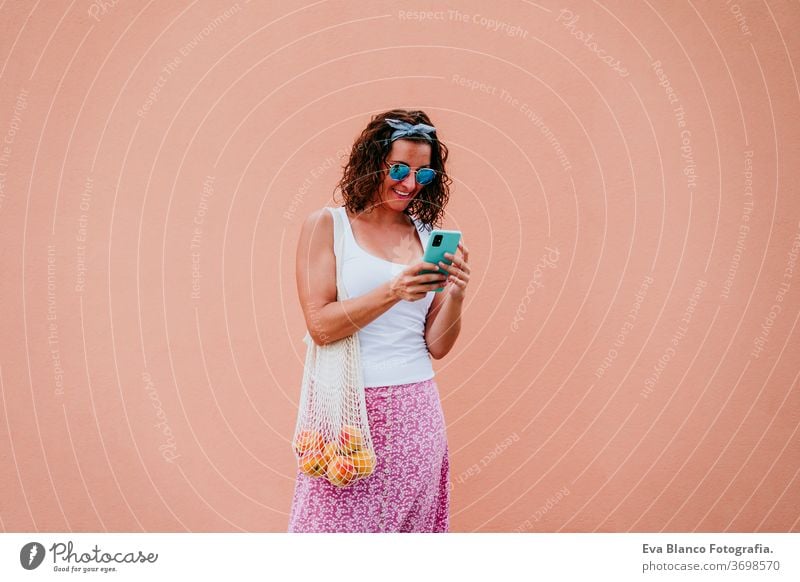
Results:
<point x="409" y="182"/>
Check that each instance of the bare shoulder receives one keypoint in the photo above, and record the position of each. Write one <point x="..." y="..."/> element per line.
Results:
<point x="318" y="228"/>
<point x="319" y="218"/>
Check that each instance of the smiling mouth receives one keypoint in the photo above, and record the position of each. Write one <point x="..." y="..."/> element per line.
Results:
<point x="402" y="194"/>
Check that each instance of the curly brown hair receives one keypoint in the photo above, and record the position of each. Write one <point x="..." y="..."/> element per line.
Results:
<point x="363" y="173"/>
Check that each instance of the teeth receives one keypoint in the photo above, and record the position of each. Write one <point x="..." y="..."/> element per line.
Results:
<point x="401" y="193"/>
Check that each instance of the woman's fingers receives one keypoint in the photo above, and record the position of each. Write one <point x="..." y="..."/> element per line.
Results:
<point x="426" y="277"/>
<point x="415" y="286"/>
<point x="464" y="251"/>
<point x="422" y="290"/>
<point x="421" y="266"/>
<point x="458" y="264"/>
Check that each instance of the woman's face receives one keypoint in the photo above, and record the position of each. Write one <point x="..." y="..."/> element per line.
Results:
<point x="394" y="194"/>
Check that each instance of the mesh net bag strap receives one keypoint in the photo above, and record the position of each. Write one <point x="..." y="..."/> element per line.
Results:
<point x="332" y="437"/>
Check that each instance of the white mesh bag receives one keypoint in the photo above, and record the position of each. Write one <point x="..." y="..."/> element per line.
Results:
<point x="331" y="439"/>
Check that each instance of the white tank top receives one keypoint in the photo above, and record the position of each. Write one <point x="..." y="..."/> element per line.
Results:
<point x="393" y="348"/>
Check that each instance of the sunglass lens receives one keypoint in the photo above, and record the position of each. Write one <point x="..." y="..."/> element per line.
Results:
<point x="398" y="171"/>
<point x="425" y="176"/>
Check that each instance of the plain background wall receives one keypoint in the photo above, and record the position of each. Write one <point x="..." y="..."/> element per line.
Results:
<point x="628" y="356"/>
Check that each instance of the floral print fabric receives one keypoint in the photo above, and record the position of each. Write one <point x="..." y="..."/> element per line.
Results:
<point x="409" y="490"/>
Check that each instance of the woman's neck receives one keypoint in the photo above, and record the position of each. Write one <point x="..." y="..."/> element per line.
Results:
<point x="385" y="217"/>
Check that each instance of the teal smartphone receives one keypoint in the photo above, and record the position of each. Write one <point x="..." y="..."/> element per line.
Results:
<point x="439" y="243"/>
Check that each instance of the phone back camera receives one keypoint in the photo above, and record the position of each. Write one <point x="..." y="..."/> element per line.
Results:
<point x="437" y="240"/>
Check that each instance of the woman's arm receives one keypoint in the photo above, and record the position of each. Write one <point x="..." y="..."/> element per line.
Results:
<point x="327" y="319"/>
<point x="443" y="324"/>
<point x="444" y="317"/>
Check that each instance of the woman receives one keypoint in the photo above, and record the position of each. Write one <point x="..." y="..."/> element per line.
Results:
<point x="395" y="189"/>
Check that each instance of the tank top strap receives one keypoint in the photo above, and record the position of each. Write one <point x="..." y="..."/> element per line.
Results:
<point x="351" y="238"/>
<point x="344" y="223"/>
<point x="424" y="232"/>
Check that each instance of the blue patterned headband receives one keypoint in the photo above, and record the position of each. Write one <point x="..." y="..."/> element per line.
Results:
<point x="405" y="129"/>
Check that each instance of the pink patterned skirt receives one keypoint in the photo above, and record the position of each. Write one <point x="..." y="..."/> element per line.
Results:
<point x="409" y="490"/>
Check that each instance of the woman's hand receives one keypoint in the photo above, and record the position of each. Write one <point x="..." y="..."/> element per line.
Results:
<point x="410" y="286"/>
<point x="459" y="272"/>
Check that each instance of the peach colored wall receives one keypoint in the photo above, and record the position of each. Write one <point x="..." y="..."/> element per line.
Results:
<point x="626" y="179"/>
